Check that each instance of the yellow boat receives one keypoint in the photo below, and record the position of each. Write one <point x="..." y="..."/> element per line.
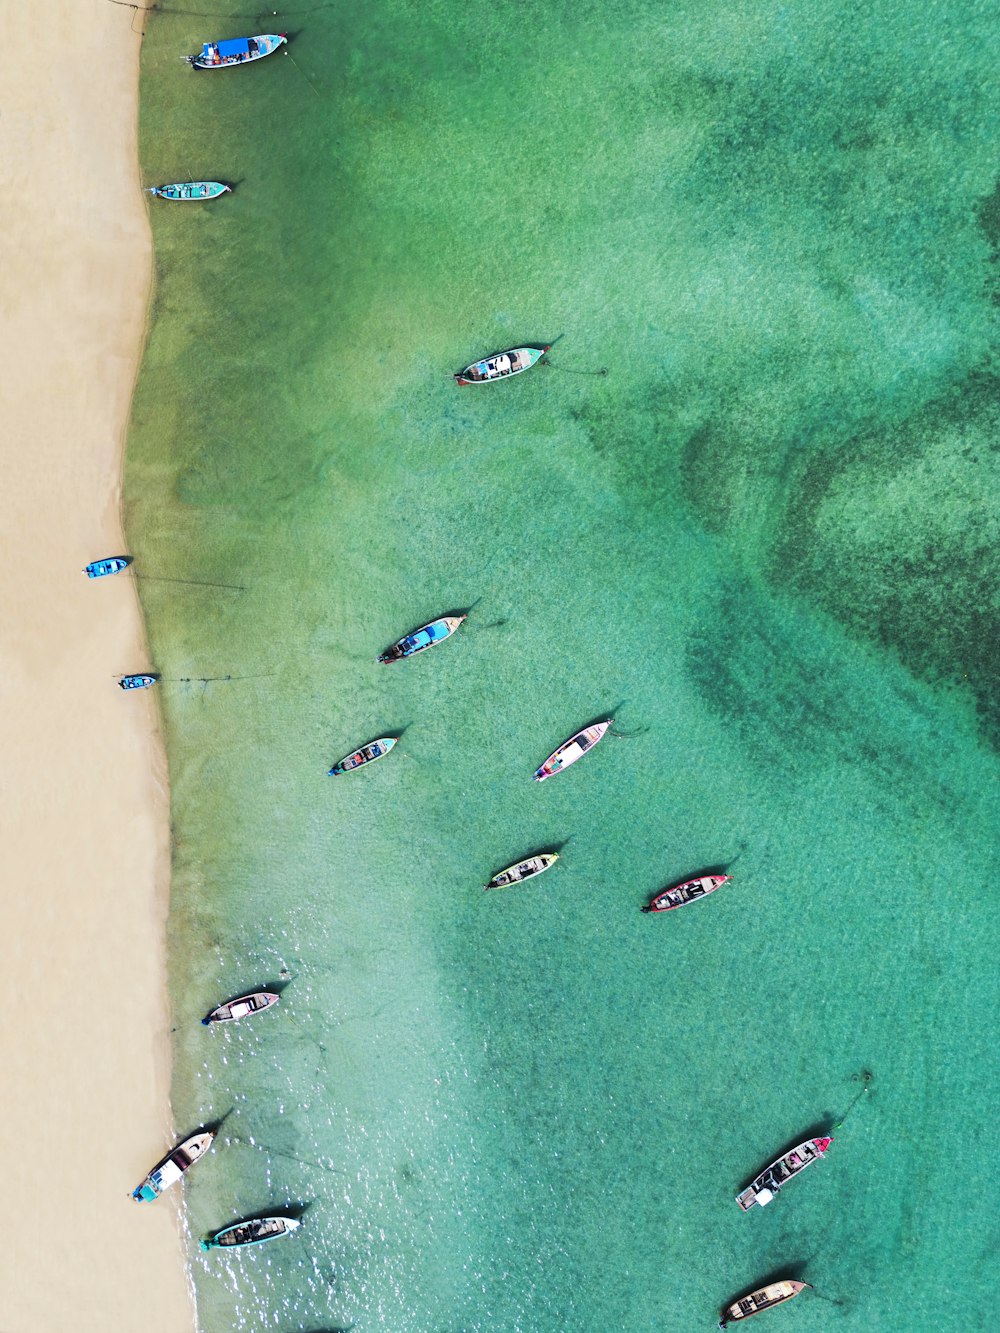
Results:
<point x="522" y="870"/>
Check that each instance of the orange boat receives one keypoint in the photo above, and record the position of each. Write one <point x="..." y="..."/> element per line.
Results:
<point x="773" y="1294"/>
<point x="688" y="892"/>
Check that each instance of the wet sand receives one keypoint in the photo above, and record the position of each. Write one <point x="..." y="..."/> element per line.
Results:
<point x="84" y="816"/>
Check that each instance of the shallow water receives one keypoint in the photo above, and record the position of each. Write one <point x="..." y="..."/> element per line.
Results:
<point x="763" y="540"/>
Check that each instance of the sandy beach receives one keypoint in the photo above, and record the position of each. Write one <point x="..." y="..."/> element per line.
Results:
<point x="84" y="817"/>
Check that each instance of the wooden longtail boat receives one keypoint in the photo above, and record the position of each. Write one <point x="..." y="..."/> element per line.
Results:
<point x="241" y="1007"/>
<point x="773" y="1294"/>
<point x="139" y="682"/>
<point x="523" y="870"/>
<point x="173" y="1166"/>
<point x="114" y="564"/>
<point x="501" y="365"/>
<point x="252" y="1232"/>
<point x="765" y="1186"/>
<point x="424" y="637"/>
<point x="191" y="190"/>
<point x="366" y="755"/>
<point x="238" y="51"/>
<point x="573" y="749"/>
<point x="688" y="892"/>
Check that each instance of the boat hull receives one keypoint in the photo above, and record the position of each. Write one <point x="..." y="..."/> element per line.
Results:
<point x="170" y="1169"/>
<point x="766" y="1184"/>
<point x="501" y="365"/>
<point x="240" y="51"/>
<point x="367" y="754"/>
<point x="242" y="1007"/>
<point x="690" y="891"/>
<point x="775" y="1293"/>
<point x="191" y="191"/>
<point x="255" y="1231"/>
<point x="100" y="569"/>
<point x="522" y="870"/>
<point x="140" y="682"/>
<point x="572" y="750"/>
<point x="434" y="632"/>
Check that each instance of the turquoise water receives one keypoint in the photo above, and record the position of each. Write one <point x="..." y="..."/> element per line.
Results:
<point x="765" y="540"/>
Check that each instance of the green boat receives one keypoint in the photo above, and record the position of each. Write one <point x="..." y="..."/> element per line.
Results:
<point x="197" y="191"/>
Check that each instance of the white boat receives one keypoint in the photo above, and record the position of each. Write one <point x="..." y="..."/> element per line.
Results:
<point x="241" y="1007"/>
<point x="572" y="750"/>
<point x="169" y="1171"/>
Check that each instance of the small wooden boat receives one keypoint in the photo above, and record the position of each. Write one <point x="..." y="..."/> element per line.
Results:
<point x="501" y="365"/>
<point x="139" y="682"/>
<point x="99" y="569"/>
<point x="424" y="637"/>
<point x="173" y="1166"/>
<point x="366" y="755"/>
<point x="523" y="870"/>
<point x="688" y="892"/>
<point x="572" y="750"/>
<point x="773" y="1294"/>
<point x="765" y="1186"/>
<point x="238" y="51"/>
<point x="191" y="190"/>
<point x="241" y="1007"/>
<point x="252" y="1232"/>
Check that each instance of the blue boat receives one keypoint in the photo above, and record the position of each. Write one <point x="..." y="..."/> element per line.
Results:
<point x="238" y="51"/>
<point x="114" y="564"/>
<point x="366" y="755"/>
<point x="254" y="1231"/>
<point x="501" y="365"/>
<point x="140" y="682"/>
<point x="424" y="637"/>
<point x="191" y="190"/>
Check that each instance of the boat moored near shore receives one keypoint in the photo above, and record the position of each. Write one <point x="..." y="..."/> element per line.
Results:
<point x="688" y="892"/>
<point x="172" y="1167"/>
<point x="522" y="870"/>
<point x="241" y="1007"/>
<point x="501" y="365"/>
<point x="142" y="681"/>
<point x="254" y="1231"/>
<point x="765" y="1186"/>
<point x="366" y="755"/>
<point x="237" y="51"/>
<point x="114" y="564"/>
<point x="191" y="190"/>
<point x="764" y="1299"/>
<point x="572" y="750"/>
<point x="424" y="637"/>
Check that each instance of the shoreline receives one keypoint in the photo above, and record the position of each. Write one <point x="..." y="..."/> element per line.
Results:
<point x="86" y="820"/>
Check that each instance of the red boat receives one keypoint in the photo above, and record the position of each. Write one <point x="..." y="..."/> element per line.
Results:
<point x="688" y="892"/>
<point x="766" y="1185"/>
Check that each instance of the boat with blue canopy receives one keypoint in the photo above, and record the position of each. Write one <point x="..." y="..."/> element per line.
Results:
<point x="194" y="191"/>
<point x="366" y="755"/>
<point x="114" y="564"/>
<point x="501" y="365"/>
<point x="137" y="682"/>
<point x="424" y="637"/>
<point x="237" y="51"/>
